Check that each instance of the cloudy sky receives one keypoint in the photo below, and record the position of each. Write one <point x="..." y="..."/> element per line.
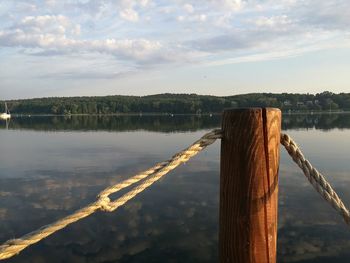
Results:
<point x="139" y="47"/>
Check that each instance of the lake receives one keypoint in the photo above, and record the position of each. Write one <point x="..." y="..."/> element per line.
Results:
<point x="51" y="166"/>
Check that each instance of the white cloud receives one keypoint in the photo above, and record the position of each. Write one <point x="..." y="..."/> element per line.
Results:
<point x="76" y="30"/>
<point x="144" y="2"/>
<point x="192" y="18"/>
<point x="138" y="49"/>
<point x="180" y="18"/>
<point x="45" y="25"/>
<point x="331" y="14"/>
<point x="127" y="3"/>
<point x="233" y="5"/>
<point x="273" y="21"/>
<point x="129" y="8"/>
<point x="201" y="17"/>
<point x="245" y="27"/>
<point x="129" y="14"/>
<point x="44" y="21"/>
<point x="50" y="3"/>
<point x="224" y="20"/>
<point x="166" y="10"/>
<point x="58" y="35"/>
<point x="248" y="28"/>
<point x="188" y="8"/>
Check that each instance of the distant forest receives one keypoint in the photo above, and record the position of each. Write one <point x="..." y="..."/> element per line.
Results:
<point x="179" y="103"/>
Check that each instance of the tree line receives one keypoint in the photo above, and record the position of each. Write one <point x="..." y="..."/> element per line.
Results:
<point x="179" y="103"/>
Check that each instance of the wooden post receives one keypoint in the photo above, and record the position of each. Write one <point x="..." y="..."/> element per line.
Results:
<point x="249" y="185"/>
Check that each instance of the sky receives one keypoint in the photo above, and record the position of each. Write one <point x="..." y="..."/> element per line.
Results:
<point x="141" y="47"/>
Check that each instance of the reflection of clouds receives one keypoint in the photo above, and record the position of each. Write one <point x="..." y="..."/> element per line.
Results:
<point x="60" y="192"/>
<point x="121" y="237"/>
<point x="305" y="247"/>
<point x="176" y="219"/>
<point x="159" y="224"/>
<point x="201" y="166"/>
<point x="3" y="194"/>
<point x="134" y="233"/>
<point x="148" y="218"/>
<point x="138" y="247"/>
<point x="3" y="213"/>
<point x="133" y="207"/>
<point x="133" y="222"/>
<point x="308" y="227"/>
<point x="153" y="231"/>
<point x="190" y="212"/>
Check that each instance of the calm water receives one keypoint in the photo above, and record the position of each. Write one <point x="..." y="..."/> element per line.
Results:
<point x="51" y="166"/>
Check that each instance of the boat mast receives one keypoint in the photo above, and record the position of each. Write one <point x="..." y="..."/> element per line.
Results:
<point x="6" y="109"/>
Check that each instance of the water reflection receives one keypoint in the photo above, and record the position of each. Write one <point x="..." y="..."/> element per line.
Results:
<point x="159" y="123"/>
<point x="46" y="175"/>
<point x="167" y="123"/>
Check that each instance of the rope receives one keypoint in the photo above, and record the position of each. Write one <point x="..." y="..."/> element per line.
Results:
<point x="317" y="180"/>
<point x="14" y="246"/>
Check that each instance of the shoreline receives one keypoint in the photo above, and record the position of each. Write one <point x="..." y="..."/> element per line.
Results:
<point x="169" y="114"/>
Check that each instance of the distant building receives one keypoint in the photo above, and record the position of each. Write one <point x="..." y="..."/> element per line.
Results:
<point x="287" y="103"/>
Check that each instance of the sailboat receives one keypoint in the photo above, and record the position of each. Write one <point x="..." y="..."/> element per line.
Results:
<point x="6" y="115"/>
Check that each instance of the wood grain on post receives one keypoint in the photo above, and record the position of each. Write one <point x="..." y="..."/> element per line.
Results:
<point x="249" y="185"/>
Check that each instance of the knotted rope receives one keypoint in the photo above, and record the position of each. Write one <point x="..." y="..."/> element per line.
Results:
<point x="14" y="246"/>
<point x="317" y="180"/>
